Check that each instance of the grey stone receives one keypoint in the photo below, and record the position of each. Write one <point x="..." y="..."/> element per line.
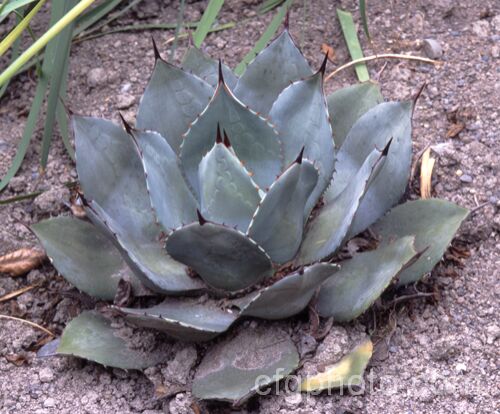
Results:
<point x="124" y="101"/>
<point x="49" y="403"/>
<point x="466" y="178"/>
<point x="433" y="49"/>
<point x="46" y="375"/>
<point x="481" y="28"/>
<point x="97" y="77"/>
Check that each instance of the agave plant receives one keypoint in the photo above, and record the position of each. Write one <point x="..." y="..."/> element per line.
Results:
<point x="228" y="200"/>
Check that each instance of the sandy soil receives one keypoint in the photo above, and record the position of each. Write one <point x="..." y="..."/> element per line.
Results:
<point x="438" y="356"/>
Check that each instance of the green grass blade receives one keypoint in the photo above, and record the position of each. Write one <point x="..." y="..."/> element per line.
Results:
<point x="12" y="5"/>
<point x="153" y="26"/>
<point x="82" y="32"/>
<point x="268" y="5"/>
<point x="19" y="28"/>
<point x="36" y="47"/>
<point x="62" y="122"/>
<point x="21" y="197"/>
<point x="15" y="51"/>
<point x="178" y="26"/>
<point x="264" y="39"/>
<point x="58" y="70"/>
<point x="364" y="19"/>
<point x="85" y="21"/>
<point x="352" y="41"/>
<point x="95" y="14"/>
<point x="61" y="116"/>
<point x="36" y="105"/>
<point x="206" y="22"/>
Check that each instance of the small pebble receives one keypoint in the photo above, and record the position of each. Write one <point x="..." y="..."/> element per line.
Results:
<point x="126" y="87"/>
<point x="49" y="403"/>
<point x="96" y="77"/>
<point x="46" y="375"/>
<point x="124" y="101"/>
<point x="481" y="28"/>
<point x="466" y="178"/>
<point x="433" y="49"/>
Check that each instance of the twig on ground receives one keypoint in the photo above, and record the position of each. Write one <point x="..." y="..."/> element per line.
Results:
<point x="32" y="324"/>
<point x="381" y="56"/>
<point x="18" y="292"/>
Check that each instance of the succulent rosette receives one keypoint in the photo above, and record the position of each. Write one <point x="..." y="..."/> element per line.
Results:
<point x="229" y="198"/>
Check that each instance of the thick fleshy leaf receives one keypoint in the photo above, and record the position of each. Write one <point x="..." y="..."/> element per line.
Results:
<point x="195" y="61"/>
<point x="374" y="129"/>
<point x="91" y="336"/>
<point x="347" y="372"/>
<point x="83" y="255"/>
<point x="270" y="72"/>
<point x="224" y="258"/>
<point x="326" y="232"/>
<point x="301" y="117"/>
<point x="186" y="320"/>
<point x="147" y="258"/>
<point x="346" y="106"/>
<point x="112" y="178"/>
<point x="228" y="193"/>
<point x="171" y="102"/>
<point x="278" y="223"/>
<point x="253" y="139"/>
<point x="235" y="369"/>
<point x="288" y="296"/>
<point x="171" y="198"/>
<point x="362" y="279"/>
<point x="433" y="222"/>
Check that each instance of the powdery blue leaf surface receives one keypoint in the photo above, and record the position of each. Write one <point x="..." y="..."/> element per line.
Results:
<point x="171" y="102"/>
<point x="234" y="369"/>
<point x="90" y="336"/>
<point x="83" y="255"/>
<point x="186" y="320"/>
<point x="327" y="230"/>
<point x="270" y="72"/>
<point x="347" y="105"/>
<point x="171" y="198"/>
<point x="227" y="192"/>
<point x="278" y="223"/>
<point x="362" y="279"/>
<point x="433" y="222"/>
<point x="374" y="129"/>
<point x="112" y="178"/>
<point x="223" y="257"/>
<point x="300" y="115"/>
<point x="196" y="62"/>
<point x="288" y="296"/>
<point x="253" y="139"/>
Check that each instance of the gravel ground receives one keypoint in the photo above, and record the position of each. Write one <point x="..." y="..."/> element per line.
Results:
<point x="438" y="355"/>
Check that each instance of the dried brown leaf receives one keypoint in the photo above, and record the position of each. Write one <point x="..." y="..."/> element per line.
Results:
<point x="426" y="174"/>
<point x="17" y="292"/>
<point x="16" y="359"/>
<point x="455" y="129"/>
<point x="21" y="261"/>
<point x="76" y="205"/>
<point x="329" y="51"/>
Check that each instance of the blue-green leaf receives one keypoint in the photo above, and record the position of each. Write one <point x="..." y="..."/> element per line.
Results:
<point x="228" y="193"/>
<point x="433" y="222"/>
<point x="279" y="221"/>
<point x="270" y="72"/>
<point x="224" y="258"/>
<point x="374" y="129"/>
<point x="172" y="101"/>
<point x="254" y="141"/>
